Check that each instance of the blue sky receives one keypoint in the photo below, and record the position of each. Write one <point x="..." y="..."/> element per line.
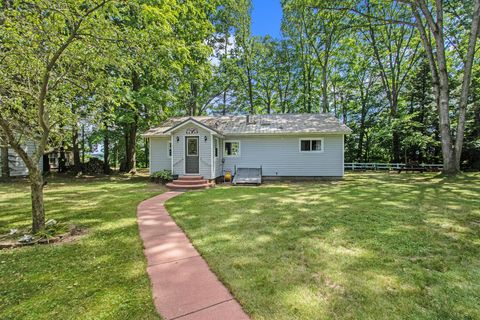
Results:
<point x="266" y="18"/>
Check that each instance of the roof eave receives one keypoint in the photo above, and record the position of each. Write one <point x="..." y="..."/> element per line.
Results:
<point x="296" y="133"/>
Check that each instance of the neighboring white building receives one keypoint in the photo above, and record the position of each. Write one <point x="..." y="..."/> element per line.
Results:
<point x="282" y="145"/>
<point x="16" y="164"/>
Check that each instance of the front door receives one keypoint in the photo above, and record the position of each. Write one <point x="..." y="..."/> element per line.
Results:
<point x="191" y="155"/>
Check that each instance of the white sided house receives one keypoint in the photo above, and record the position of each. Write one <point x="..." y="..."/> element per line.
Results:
<point x="17" y="167"/>
<point x="280" y="145"/>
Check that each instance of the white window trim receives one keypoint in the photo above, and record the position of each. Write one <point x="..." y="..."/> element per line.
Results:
<point x="239" y="149"/>
<point x="169" y="149"/>
<point x="217" y="147"/>
<point x="310" y="139"/>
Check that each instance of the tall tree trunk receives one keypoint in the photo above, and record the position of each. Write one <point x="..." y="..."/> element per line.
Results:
<point x="5" y="158"/>
<point x="62" y="160"/>
<point x="83" y="143"/>
<point x="325" y="88"/>
<point x="438" y="65"/>
<point x="250" y="90"/>
<point x="106" y="151"/>
<point x="224" y="107"/>
<point x="38" y="210"/>
<point x="147" y="151"/>
<point x="362" y="132"/>
<point x="396" y="141"/>
<point x="448" y="153"/>
<point x="309" y="91"/>
<point x="131" y="132"/>
<point x="130" y="147"/>
<point x="466" y="83"/>
<point x="76" y="150"/>
<point x="193" y="102"/>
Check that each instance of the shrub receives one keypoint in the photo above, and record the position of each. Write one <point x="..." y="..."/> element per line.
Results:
<point x="161" y="176"/>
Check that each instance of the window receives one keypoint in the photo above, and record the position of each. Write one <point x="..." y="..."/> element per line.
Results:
<point x="232" y="149"/>
<point x="216" y="148"/>
<point x="192" y="147"/>
<point x="169" y="149"/>
<point x="311" y="145"/>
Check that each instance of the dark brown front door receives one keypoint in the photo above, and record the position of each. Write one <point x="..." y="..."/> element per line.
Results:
<point x="191" y="155"/>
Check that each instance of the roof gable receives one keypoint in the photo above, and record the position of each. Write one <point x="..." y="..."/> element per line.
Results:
<point x="188" y="121"/>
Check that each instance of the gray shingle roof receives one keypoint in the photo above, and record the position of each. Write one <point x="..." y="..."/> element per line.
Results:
<point x="261" y="124"/>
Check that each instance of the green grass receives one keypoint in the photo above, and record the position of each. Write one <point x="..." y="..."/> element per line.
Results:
<point x="100" y="276"/>
<point x="373" y="246"/>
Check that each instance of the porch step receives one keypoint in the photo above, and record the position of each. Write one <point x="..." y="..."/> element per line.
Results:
<point x="190" y="178"/>
<point x="174" y="186"/>
<point x="189" y="183"/>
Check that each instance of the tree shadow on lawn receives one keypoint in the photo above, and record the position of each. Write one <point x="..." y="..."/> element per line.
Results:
<point x="99" y="277"/>
<point x="103" y="275"/>
<point x="371" y="246"/>
<point x="81" y="201"/>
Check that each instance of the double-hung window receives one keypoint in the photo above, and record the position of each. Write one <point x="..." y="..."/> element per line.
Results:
<point x="231" y="149"/>
<point x="311" y="145"/>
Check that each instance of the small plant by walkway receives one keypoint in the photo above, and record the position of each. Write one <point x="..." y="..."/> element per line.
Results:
<point x="373" y="246"/>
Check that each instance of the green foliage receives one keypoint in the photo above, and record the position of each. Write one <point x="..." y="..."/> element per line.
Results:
<point x="165" y="175"/>
<point x="52" y="230"/>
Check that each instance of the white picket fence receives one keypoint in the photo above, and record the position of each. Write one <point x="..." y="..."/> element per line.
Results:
<point x="388" y="166"/>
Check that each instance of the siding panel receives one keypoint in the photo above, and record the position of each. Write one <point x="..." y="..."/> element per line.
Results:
<point x="159" y="159"/>
<point x="280" y="156"/>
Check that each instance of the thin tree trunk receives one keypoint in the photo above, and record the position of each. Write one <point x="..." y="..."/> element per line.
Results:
<point x="250" y="91"/>
<point x="5" y="158"/>
<point x="224" y="107"/>
<point x="131" y="132"/>
<point x="467" y="78"/>
<point x="106" y="151"/>
<point x="38" y="210"/>
<point x="396" y="141"/>
<point x="83" y="144"/>
<point x="147" y="151"/>
<point x="62" y="158"/>
<point x="361" y="133"/>
<point x="76" y="150"/>
<point x="130" y="144"/>
<point x="324" y="88"/>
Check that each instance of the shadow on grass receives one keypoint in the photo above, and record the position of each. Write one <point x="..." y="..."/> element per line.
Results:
<point x="370" y="246"/>
<point x="103" y="275"/>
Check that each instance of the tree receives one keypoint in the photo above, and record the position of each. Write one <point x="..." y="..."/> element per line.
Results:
<point x="395" y="47"/>
<point x="264" y="65"/>
<point x="245" y="46"/>
<point x="41" y="43"/>
<point x="431" y="26"/>
<point x="448" y="32"/>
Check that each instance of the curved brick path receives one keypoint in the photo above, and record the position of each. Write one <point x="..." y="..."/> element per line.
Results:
<point x="183" y="286"/>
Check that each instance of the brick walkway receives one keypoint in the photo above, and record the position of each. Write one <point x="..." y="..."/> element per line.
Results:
<point x="183" y="286"/>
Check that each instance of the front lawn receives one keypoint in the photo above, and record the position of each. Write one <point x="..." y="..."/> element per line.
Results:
<point x="100" y="276"/>
<point x="373" y="246"/>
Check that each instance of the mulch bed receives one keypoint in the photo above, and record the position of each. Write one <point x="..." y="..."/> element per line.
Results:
<point x="70" y="236"/>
